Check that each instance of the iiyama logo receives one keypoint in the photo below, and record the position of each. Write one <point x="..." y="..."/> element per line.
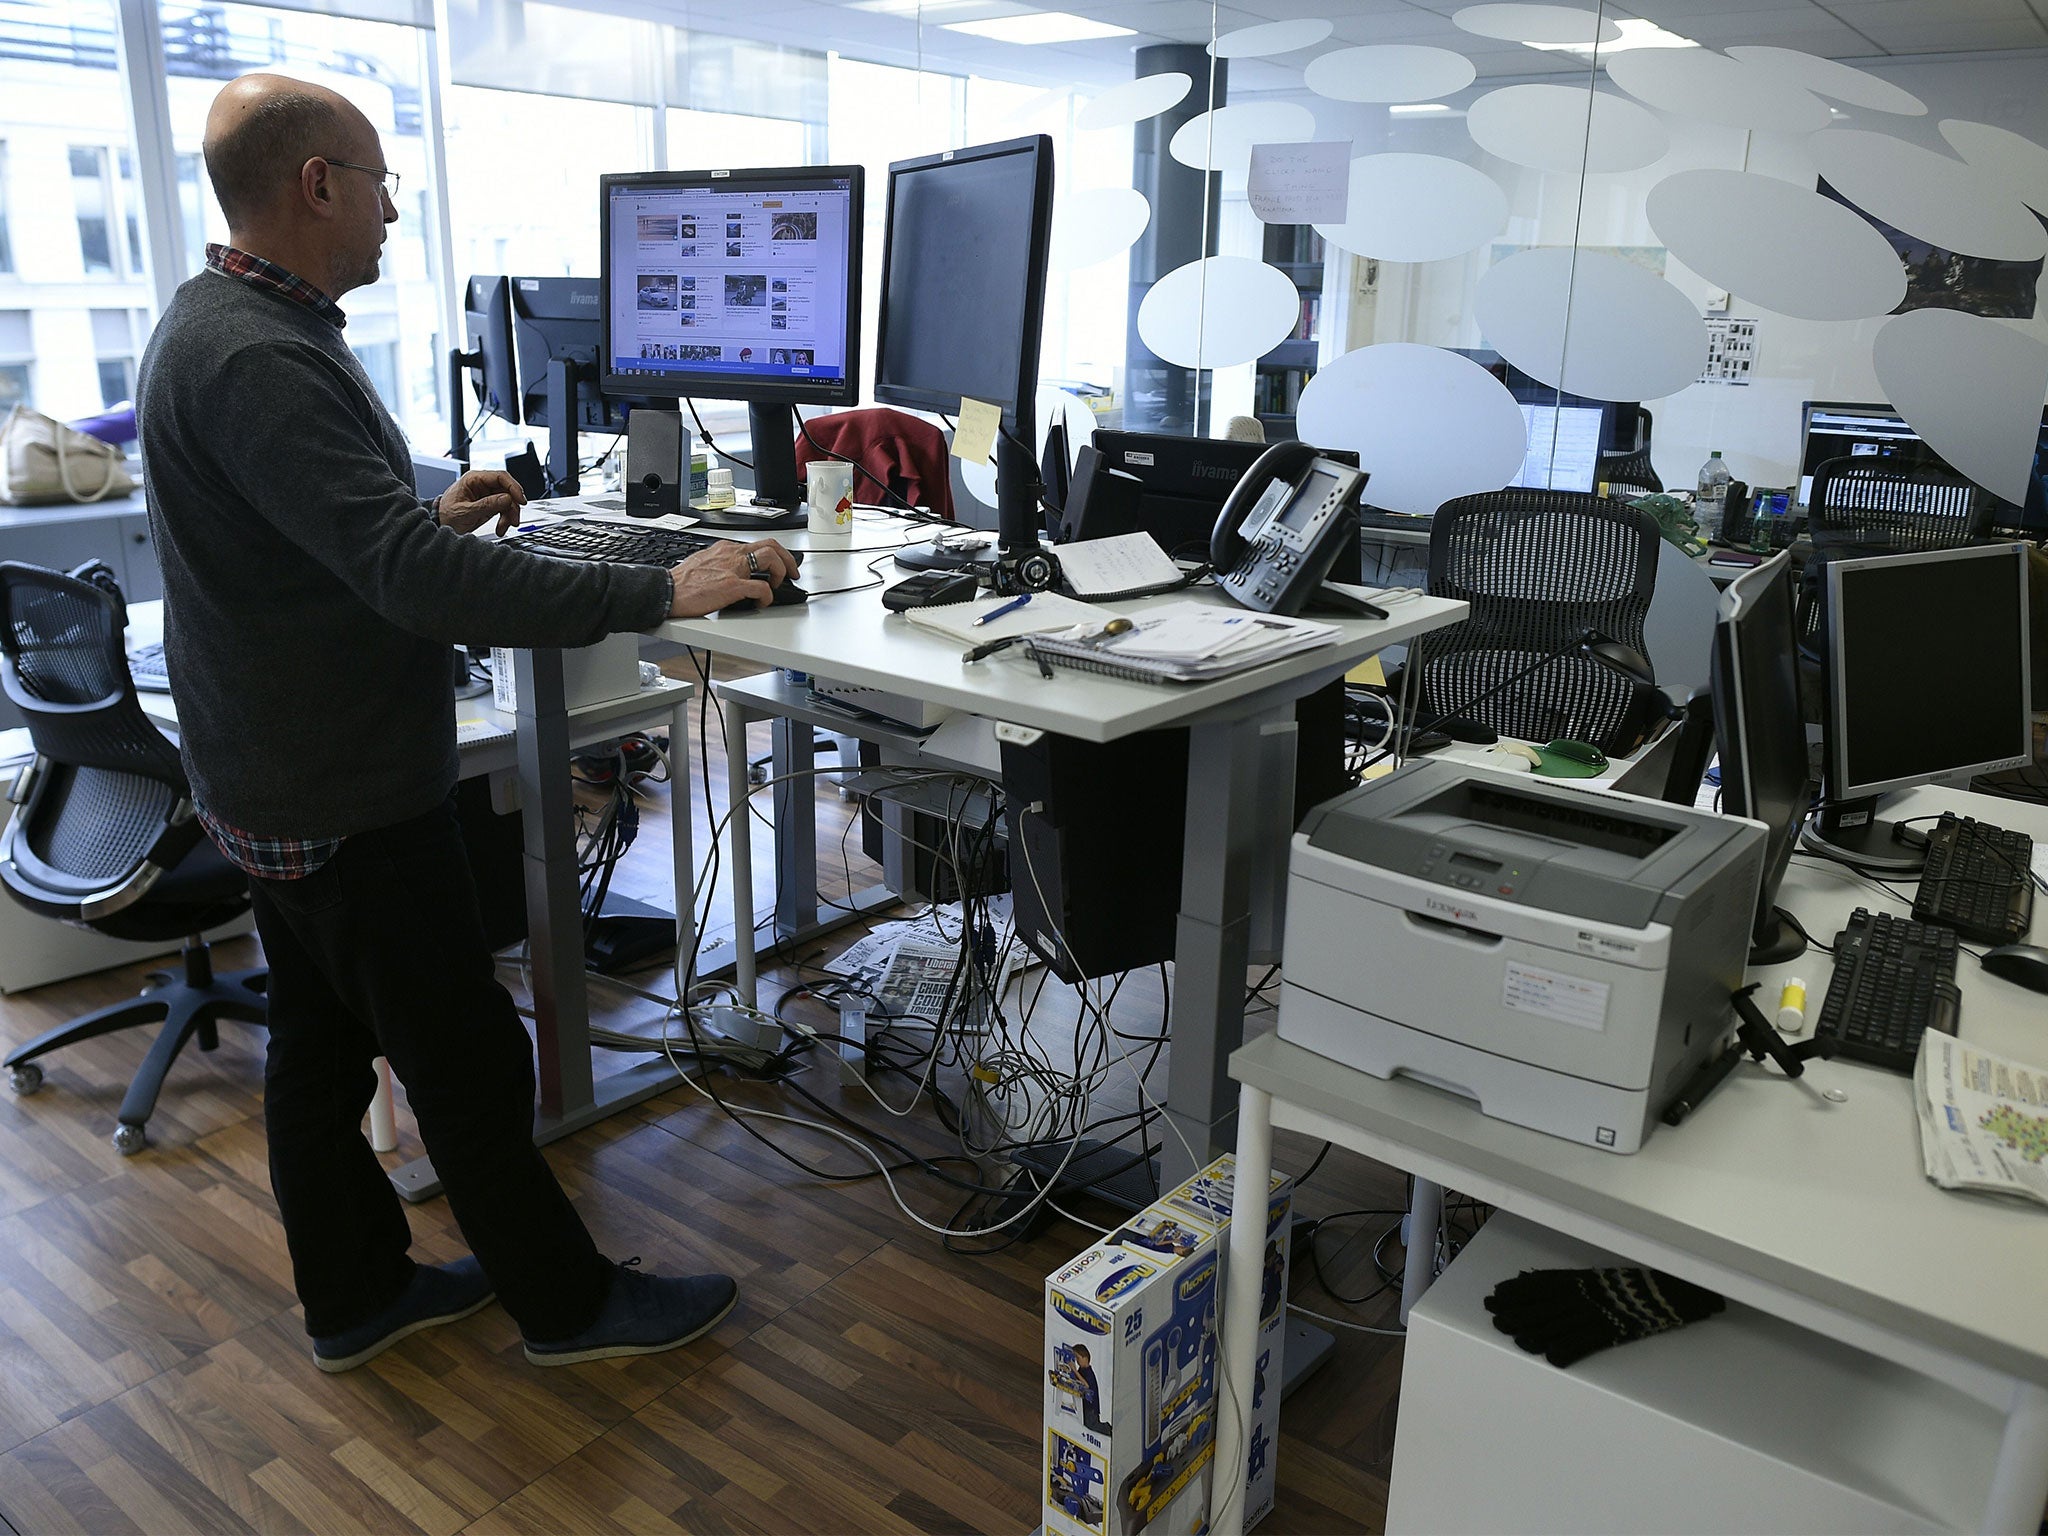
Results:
<point x="584" y="298"/>
<point x="1214" y="472"/>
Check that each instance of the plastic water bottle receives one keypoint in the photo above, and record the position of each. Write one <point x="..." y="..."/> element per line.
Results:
<point x="1712" y="499"/>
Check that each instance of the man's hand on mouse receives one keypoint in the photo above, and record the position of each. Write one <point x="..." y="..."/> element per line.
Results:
<point x="479" y="496"/>
<point x="729" y="573"/>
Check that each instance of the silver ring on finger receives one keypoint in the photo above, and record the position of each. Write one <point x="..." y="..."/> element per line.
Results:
<point x="753" y="563"/>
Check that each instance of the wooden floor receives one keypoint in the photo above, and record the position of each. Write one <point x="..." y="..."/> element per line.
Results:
<point x="155" y="1376"/>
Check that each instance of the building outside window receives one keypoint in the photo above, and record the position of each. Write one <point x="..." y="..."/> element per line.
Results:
<point x="117" y="345"/>
<point x="66" y="248"/>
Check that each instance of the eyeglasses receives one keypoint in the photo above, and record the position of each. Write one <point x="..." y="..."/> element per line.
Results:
<point x="389" y="179"/>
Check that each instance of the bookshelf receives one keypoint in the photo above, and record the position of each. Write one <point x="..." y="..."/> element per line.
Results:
<point x="1297" y="250"/>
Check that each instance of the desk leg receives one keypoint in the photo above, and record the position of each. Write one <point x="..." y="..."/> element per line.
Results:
<point x="1239" y="1366"/>
<point x="1425" y="1214"/>
<point x="796" y="828"/>
<point x="1212" y="943"/>
<point x="2019" y="1480"/>
<point x="739" y="833"/>
<point x="682" y="835"/>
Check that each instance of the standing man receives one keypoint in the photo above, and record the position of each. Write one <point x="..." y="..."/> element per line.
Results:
<point x="310" y="600"/>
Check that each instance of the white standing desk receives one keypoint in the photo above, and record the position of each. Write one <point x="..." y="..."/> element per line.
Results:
<point x="1240" y="775"/>
<point x="1815" y="1212"/>
<point x="532" y="748"/>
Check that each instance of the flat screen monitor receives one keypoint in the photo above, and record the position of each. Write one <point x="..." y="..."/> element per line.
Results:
<point x="555" y="319"/>
<point x="1563" y="446"/>
<point x="963" y="299"/>
<point x="1760" y="733"/>
<point x="487" y="327"/>
<point x="733" y="284"/>
<point x="1927" y="677"/>
<point x="1831" y="429"/>
<point x="1618" y="422"/>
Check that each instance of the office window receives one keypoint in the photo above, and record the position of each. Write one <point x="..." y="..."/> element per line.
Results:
<point x="699" y="141"/>
<point x="378" y="66"/>
<point x="17" y="349"/>
<point x="90" y="200"/>
<point x="131" y="210"/>
<point x="115" y="351"/>
<point x="6" y="246"/>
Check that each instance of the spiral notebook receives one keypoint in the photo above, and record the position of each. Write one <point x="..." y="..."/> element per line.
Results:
<point x="1128" y="565"/>
<point x="1186" y="642"/>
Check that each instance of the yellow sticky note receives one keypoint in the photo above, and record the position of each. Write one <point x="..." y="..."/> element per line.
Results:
<point x="1368" y="671"/>
<point x="974" y="439"/>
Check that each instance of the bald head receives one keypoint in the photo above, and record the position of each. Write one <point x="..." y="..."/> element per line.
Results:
<point x="263" y="128"/>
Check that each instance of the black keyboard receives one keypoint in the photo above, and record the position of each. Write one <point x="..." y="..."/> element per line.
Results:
<point x="146" y="666"/>
<point x="611" y="543"/>
<point x="1977" y="880"/>
<point x="1894" y="980"/>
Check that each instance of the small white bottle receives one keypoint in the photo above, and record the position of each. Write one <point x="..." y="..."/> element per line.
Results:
<point x="1712" y="499"/>
<point x="718" y="495"/>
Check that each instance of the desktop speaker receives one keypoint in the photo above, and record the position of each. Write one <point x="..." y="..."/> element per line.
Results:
<point x="655" y="467"/>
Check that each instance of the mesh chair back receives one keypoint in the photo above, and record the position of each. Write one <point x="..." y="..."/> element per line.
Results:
<point x="111" y="778"/>
<point x="1874" y="508"/>
<point x="1628" y="474"/>
<point x="1539" y="568"/>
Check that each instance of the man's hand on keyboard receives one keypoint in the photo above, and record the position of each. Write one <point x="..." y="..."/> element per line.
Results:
<point x="726" y="574"/>
<point x="479" y="496"/>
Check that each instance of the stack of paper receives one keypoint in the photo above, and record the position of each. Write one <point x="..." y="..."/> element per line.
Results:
<point x="1983" y="1119"/>
<point x="983" y="619"/>
<point x="1187" y="642"/>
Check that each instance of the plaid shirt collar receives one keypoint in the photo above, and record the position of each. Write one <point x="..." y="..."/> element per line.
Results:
<point x="257" y="272"/>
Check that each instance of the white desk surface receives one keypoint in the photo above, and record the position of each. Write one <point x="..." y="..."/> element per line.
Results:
<point x="1826" y="1201"/>
<point x="852" y="638"/>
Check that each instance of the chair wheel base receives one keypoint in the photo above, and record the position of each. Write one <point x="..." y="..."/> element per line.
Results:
<point x="25" y="1079"/>
<point x="129" y="1139"/>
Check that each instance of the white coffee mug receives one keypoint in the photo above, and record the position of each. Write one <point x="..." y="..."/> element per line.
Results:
<point x="828" y="493"/>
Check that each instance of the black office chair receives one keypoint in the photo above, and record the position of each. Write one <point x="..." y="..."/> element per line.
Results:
<point x="104" y="835"/>
<point x="1628" y="475"/>
<point x="1539" y="569"/>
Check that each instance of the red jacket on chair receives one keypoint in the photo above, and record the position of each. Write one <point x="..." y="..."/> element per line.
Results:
<point x="906" y="453"/>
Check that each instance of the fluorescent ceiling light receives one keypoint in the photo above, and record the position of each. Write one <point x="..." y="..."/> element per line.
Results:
<point x="1040" y="27"/>
<point x="1411" y="108"/>
<point x="1634" y="34"/>
<point x="931" y="9"/>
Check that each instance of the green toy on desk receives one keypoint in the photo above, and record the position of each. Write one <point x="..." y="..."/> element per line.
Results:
<point x="1568" y="759"/>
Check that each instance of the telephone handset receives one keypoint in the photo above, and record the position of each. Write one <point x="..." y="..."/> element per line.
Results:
<point x="1281" y="529"/>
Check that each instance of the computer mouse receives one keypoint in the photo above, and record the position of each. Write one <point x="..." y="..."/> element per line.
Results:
<point x="1577" y="752"/>
<point x="2024" y="965"/>
<point x="787" y="595"/>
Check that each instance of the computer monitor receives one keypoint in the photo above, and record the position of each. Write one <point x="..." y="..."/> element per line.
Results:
<point x="963" y="302"/>
<point x="739" y="284"/>
<point x="1926" y="678"/>
<point x="1618" y="420"/>
<point x="487" y="326"/>
<point x="555" y="337"/>
<point x="1564" y="445"/>
<point x="1761" y="734"/>
<point x="1838" y="429"/>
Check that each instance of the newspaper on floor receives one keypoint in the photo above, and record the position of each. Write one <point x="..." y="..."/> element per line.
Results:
<point x="1983" y="1119"/>
<point x="908" y="964"/>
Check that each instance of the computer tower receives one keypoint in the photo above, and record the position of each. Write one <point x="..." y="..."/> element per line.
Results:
<point x="1095" y="849"/>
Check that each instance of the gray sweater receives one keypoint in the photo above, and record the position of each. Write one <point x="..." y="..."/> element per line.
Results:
<point x="310" y="599"/>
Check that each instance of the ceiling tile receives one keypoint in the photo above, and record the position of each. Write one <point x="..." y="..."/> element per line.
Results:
<point x="1961" y="37"/>
<point x="1821" y="33"/>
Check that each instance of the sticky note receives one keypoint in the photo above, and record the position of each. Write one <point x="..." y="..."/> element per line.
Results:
<point x="1301" y="183"/>
<point x="1368" y="671"/>
<point x="974" y="439"/>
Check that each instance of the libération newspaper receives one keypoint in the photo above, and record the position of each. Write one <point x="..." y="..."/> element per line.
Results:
<point x="1983" y="1119"/>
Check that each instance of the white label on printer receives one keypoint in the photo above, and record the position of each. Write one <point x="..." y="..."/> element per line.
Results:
<point x="1605" y="946"/>
<point x="1567" y="999"/>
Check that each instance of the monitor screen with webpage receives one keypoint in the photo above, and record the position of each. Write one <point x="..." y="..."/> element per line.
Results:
<point x="1563" y="446"/>
<point x="733" y="285"/>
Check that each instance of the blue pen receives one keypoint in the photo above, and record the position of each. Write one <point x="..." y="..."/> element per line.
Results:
<point x="1010" y="607"/>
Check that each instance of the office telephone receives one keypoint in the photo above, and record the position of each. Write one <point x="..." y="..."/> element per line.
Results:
<point x="1281" y="529"/>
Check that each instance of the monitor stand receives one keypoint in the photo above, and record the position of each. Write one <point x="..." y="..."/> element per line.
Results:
<point x="778" y="502"/>
<point x="1849" y="832"/>
<point x="1776" y="939"/>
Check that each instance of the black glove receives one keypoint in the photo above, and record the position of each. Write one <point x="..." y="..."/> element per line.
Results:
<point x="1566" y="1314"/>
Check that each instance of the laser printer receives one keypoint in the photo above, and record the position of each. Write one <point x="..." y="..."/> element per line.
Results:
<point x="1562" y="955"/>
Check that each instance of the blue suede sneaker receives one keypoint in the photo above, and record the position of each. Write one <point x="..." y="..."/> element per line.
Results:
<point x="644" y="1315"/>
<point x="437" y="1295"/>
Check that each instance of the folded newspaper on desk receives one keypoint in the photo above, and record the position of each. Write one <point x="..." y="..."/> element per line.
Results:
<point x="908" y="965"/>
<point x="1983" y="1119"/>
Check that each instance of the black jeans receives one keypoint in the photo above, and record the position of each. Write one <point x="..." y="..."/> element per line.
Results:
<point x="381" y="952"/>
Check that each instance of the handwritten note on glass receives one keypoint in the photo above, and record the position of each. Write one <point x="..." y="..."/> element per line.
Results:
<point x="1301" y="183"/>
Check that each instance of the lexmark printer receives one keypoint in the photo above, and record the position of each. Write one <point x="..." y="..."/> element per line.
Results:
<point x="1562" y="955"/>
